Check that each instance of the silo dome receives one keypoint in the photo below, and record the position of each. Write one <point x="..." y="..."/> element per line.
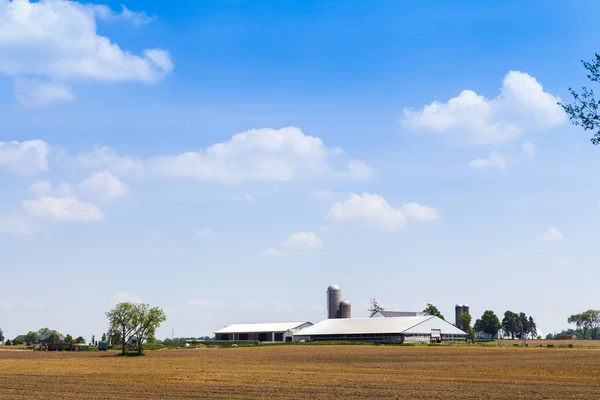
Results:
<point x="344" y="302"/>
<point x="345" y="309"/>
<point x="334" y="287"/>
<point x="334" y="296"/>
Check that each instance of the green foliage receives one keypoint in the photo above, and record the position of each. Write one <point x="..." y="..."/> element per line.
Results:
<point x="464" y="324"/>
<point x="8" y="343"/>
<point x="584" y="110"/>
<point x="587" y="324"/>
<point x="549" y="336"/>
<point x="32" y="337"/>
<point x="488" y="323"/>
<point x="49" y="335"/>
<point x="432" y="310"/>
<point x="103" y="337"/>
<point x="80" y="340"/>
<point x="510" y="323"/>
<point x="127" y="320"/>
<point x="374" y="307"/>
<point x="1" y="336"/>
<point x="68" y="339"/>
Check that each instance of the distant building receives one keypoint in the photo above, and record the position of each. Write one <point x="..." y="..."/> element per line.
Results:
<point x="412" y="329"/>
<point x="392" y="314"/>
<point x="566" y="336"/>
<point x="268" y="332"/>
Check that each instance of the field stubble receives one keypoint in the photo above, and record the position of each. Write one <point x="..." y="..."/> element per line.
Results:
<point x="306" y="372"/>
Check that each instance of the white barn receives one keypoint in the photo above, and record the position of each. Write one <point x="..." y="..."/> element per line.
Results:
<point x="413" y="329"/>
<point x="266" y="332"/>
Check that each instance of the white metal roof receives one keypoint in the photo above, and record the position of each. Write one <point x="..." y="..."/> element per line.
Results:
<point x="412" y="325"/>
<point x="257" y="328"/>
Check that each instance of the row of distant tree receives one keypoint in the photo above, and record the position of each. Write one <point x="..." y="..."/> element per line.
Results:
<point x="587" y="326"/>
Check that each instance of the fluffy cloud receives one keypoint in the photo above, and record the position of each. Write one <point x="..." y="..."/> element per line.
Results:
<point x="15" y="224"/>
<point x="494" y="160"/>
<point x="374" y="211"/>
<point x="62" y="209"/>
<point x="552" y="234"/>
<point x="127" y="298"/>
<point x="103" y="185"/>
<point x="51" y="43"/>
<point x="303" y="240"/>
<point x="256" y="155"/>
<point x="420" y="213"/>
<point x="529" y="149"/>
<point x="281" y="306"/>
<point x="271" y="252"/>
<point x="137" y="18"/>
<point x="26" y="157"/>
<point x="471" y="119"/>
<point x="41" y="188"/>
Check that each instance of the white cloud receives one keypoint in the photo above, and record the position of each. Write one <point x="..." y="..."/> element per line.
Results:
<point x="420" y="213"/>
<point x="37" y="93"/>
<point x="552" y="234"/>
<point x="257" y="155"/>
<point x="271" y="252"/>
<point x="57" y="42"/>
<point x="308" y="240"/>
<point x="203" y="303"/>
<point x="254" y="306"/>
<point x="202" y="232"/>
<point x="529" y="149"/>
<point x="63" y="209"/>
<point x="15" y="224"/>
<point x="127" y="298"/>
<point x="495" y="160"/>
<point x="137" y="18"/>
<point x="374" y="211"/>
<point x="40" y="188"/>
<point x="103" y="185"/>
<point x="26" y="157"/>
<point x="5" y="304"/>
<point x="371" y="209"/>
<point x="471" y="119"/>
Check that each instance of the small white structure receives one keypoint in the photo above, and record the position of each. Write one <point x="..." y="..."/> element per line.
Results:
<point x="265" y="332"/>
<point x="385" y="330"/>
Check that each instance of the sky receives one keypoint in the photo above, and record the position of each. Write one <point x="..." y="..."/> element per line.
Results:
<point x="228" y="160"/>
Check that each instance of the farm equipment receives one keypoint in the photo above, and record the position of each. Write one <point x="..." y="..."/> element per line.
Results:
<point x="102" y="346"/>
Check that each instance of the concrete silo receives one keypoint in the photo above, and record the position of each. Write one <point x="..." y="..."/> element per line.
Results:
<point x="345" y="309"/>
<point x="334" y="298"/>
<point x="458" y="310"/>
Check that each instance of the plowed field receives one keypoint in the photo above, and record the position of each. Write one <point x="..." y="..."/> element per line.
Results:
<point x="306" y="372"/>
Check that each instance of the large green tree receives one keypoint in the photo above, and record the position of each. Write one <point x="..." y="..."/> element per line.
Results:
<point x="488" y="323"/>
<point x="587" y="324"/>
<point x="584" y="109"/>
<point x="68" y="339"/>
<point x="1" y="336"/>
<point x="128" y="320"/>
<point x="432" y="310"/>
<point x="49" y="335"/>
<point x="510" y="323"/>
<point x="146" y="320"/>
<point x="32" y="337"/>
<point x="120" y="319"/>
<point x="374" y="307"/>
<point x="464" y="324"/>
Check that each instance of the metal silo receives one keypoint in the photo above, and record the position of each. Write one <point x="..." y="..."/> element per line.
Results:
<point x="345" y="309"/>
<point x="458" y="309"/>
<point x="465" y="308"/>
<point x="334" y="297"/>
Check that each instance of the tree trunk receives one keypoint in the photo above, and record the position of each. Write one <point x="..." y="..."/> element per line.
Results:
<point x="123" y="342"/>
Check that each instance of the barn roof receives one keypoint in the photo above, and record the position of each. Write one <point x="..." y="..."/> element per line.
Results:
<point x="258" y="328"/>
<point x="402" y="313"/>
<point x="409" y="325"/>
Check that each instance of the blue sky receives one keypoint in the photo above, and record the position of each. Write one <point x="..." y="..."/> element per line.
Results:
<point x="351" y="164"/>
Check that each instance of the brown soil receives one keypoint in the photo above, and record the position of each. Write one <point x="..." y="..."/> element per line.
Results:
<point x="306" y="372"/>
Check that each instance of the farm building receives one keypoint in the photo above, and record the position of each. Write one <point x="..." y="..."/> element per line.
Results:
<point x="411" y="329"/>
<point x="391" y="314"/>
<point x="269" y="332"/>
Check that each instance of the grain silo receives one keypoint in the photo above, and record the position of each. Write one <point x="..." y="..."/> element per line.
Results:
<point x="334" y="298"/>
<point x="458" y="309"/>
<point x="465" y="309"/>
<point x="345" y="309"/>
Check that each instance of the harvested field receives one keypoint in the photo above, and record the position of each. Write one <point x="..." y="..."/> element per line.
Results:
<point x="306" y="372"/>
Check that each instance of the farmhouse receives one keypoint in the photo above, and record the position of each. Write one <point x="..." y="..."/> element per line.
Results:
<point x="268" y="332"/>
<point x="424" y="328"/>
